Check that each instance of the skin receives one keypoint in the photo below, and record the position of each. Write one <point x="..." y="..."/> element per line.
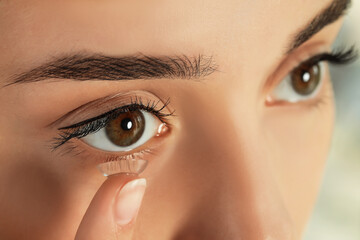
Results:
<point x="231" y="167"/>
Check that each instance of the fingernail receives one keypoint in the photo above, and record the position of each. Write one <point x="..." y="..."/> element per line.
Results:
<point x="128" y="201"/>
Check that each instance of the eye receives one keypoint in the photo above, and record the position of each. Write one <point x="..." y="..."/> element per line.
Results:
<point x="125" y="132"/>
<point x="302" y="83"/>
<point x="123" y="128"/>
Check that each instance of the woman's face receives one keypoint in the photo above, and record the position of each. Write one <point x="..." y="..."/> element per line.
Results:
<point x="241" y="156"/>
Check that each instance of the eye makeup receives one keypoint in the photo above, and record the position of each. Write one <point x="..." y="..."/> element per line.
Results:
<point x="109" y="109"/>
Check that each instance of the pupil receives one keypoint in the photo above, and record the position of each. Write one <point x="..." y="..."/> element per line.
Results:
<point x="126" y="124"/>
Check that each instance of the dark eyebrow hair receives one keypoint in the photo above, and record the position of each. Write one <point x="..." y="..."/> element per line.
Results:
<point x="333" y="12"/>
<point x="83" y="67"/>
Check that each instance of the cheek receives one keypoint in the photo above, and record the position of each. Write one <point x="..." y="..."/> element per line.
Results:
<point x="299" y="139"/>
<point x="41" y="193"/>
<point x="32" y="197"/>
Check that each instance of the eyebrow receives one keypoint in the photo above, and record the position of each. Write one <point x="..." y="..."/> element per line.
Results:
<point x="83" y="67"/>
<point x="333" y="12"/>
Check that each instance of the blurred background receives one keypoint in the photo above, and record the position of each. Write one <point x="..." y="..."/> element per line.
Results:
<point x="337" y="213"/>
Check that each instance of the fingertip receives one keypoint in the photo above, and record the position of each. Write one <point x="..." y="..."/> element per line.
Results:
<point x="113" y="209"/>
<point x="128" y="201"/>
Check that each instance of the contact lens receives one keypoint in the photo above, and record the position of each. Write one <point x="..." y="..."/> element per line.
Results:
<point x="126" y="166"/>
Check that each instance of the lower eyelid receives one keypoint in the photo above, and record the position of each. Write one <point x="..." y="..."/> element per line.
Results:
<point x="325" y="91"/>
<point x="78" y="149"/>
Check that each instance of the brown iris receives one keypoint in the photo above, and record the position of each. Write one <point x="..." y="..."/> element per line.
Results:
<point x="126" y="129"/>
<point x="306" y="78"/>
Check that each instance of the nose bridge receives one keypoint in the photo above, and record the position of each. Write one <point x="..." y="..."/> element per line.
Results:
<point x="240" y="198"/>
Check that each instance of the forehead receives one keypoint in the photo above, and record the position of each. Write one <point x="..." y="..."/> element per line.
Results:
<point x="39" y="28"/>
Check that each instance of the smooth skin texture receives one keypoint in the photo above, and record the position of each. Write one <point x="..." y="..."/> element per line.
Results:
<point x="231" y="166"/>
<point x="100" y="221"/>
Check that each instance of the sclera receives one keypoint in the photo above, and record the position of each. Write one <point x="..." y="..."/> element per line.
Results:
<point x="126" y="166"/>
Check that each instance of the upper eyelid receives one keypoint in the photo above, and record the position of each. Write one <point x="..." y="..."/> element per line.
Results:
<point x="319" y="55"/>
<point x="101" y="106"/>
<point x="150" y="107"/>
<point x="305" y="53"/>
<point x="288" y="64"/>
<point x="90" y="120"/>
<point x="117" y="112"/>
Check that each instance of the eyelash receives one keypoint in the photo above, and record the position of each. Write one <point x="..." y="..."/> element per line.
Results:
<point x="341" y="56"/>
<point x="84" y="128"/>
<point x="338" y="57"/>
<point x="92" y="125"/>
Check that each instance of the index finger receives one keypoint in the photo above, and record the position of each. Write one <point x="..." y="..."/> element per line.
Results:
<point x="112" y="212"/>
